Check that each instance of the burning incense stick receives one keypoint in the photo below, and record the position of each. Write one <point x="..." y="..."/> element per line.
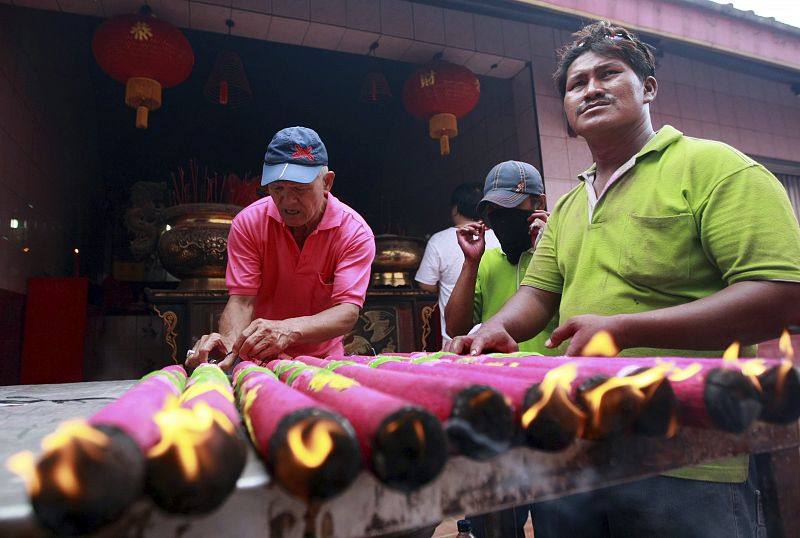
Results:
<point x="478" y="420"/>
<point x="403" y="444"/>
<point x="201" y="453"/>
<point x="90" y="472"/>
<point x="311" y="450"/>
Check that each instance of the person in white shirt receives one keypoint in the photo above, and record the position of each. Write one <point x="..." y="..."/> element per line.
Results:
<point x="443" y="258"/>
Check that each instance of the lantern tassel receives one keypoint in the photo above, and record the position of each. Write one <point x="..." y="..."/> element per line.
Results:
<point x="444" y="145"/>
<point x="223" y="92"/>
<point x="141" y="117"/>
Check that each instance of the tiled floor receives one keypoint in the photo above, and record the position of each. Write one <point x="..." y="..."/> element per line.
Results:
<point x="448" y="529"/>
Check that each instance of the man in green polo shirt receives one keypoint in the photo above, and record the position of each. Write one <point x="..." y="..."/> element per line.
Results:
<point x="513" y="205"/>
<point x="675" y="246"/>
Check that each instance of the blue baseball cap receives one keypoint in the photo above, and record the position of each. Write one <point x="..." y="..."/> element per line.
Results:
<point x="509" y="183"/>
<point x="294" y="154"/>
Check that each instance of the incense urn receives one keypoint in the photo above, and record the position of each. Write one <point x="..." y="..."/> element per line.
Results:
<point x="194" y="244"/>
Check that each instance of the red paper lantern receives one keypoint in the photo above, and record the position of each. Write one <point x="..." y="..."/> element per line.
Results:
<point x="145" y="54"/>
<point x="441" y="92"/>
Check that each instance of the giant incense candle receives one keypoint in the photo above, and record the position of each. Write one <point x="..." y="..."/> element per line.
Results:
<point x="403" y="444"/>
<point x="311" y="450"/>
<point x="478" y="420"/>
<point x="551" y="425"/>
<point x="91" y="471"/>
<point x="201" y="453"/>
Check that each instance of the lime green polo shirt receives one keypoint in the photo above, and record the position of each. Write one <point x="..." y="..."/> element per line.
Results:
<point x="690" y="218"/>
<point x="497" y="281"/>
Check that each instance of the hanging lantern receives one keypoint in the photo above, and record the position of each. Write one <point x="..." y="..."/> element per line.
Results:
<point x="227" y="85"/>
<point x="145" y="54"/>
<point x="441" y="92"/>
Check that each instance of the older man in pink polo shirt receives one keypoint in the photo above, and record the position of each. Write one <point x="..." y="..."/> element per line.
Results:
<point x="298" y="262"/>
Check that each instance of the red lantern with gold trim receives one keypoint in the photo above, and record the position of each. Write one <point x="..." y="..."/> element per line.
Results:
<point x="145" y="54"/>
<point x="441" y="92"/>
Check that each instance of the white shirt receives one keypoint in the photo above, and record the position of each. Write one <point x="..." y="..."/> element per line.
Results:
<point x="442" y="263"/>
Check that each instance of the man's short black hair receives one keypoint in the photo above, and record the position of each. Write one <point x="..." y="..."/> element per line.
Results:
<point x="605" y="39"/>
<point x="465" y="198"/>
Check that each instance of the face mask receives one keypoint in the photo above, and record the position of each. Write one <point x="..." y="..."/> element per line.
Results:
<point x="510" y="225"/>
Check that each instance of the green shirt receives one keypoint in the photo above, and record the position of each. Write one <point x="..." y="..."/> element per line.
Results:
<point x="497" y="281"/>
<point x="690" y="218"/>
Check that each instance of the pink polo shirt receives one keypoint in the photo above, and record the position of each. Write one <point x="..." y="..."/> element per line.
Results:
<point x="333" y="267"/>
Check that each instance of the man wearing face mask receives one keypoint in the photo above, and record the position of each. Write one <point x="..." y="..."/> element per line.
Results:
<point x="513" y="206"/>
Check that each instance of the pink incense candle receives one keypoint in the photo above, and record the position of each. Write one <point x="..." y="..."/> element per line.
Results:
<point x="311" y="450"/>
<point x="402" y="443"/>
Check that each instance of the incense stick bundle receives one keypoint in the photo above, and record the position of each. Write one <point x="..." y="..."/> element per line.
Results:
<point x="553" y="424"/>
<point x="478" y="420"/>
<point x="311" y="450"/>
<point x="91" y="471"/>
<point x="201" y="453"/>
<point x="403" y="444"/>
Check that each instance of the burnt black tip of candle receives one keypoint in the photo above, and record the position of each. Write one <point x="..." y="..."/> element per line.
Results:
<point x="555" y="426"/>
<point x="659" y="410"/>
<point x="108" y="485"/>
<point x="780" y="395"/>
<point x="334" y="474"/>
<point x="221" y="458"/>
<point x="616" y="411"/>
<point x="731" y="399"/>
<point x="482" y="423"/>
<point x="409" y="449"/>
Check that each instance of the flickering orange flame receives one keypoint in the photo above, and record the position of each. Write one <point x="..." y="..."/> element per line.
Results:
<point x="555" y="386"/>
<point x="310" y="441"/>
<point x="785" y="345"/>
<point x="642" y="382"/>
<point x="600" y="345"/>
<point x="186" y="429"/>
<point x="65" y="441"/>
<point x="732" y="353"/>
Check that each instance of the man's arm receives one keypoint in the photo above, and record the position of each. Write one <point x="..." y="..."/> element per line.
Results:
<point x="430" y="288"/>
<point x="265" y="338"/>
<point x="523" y="316"/>
<point x="748" y="312"/>
<point x="235" y="318"/>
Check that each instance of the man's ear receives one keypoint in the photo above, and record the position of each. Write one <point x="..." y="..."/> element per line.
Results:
<point x="542" y="203"/>
<point x="327" y="181"/>
<point x="650" y="86"/>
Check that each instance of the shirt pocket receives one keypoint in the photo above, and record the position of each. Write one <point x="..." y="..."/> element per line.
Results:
<point x="322" y="289"/>
<point x="658" y="250"/>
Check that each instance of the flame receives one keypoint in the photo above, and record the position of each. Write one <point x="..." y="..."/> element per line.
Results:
<point x="64" y="442"/>
<point x="677" y="374"/>
<point x="753" y="367"/>
<point x="785" y="368"/>
<point x="311" y="443"/>
<point x="732" y="353"/>
<point x="556" y="381"/>
<point x="420" y="431"/>
<point x="186" y="429"/>
<point x="641" y="382"/>
<point x="672" y="427"/>
<point x="600" y="345"/>
<point x="23" y="464"/>
<point x="785" y="345"/>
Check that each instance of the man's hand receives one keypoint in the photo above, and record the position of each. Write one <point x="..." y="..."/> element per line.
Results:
<point x="488" y="338"/>
<point x="580" y="330"/>
<point x="472" y="240"/>
<point x="537" y="220"/>
<point x="265" y="338"/>
<point x="210" y="344"/>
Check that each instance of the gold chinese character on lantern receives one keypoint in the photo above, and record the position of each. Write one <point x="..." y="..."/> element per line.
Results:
<point x="427" y="79"/>
<point x="141" y="31"/>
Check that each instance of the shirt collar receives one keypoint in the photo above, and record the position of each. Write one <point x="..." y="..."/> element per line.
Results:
<point x="663" y="138"/>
